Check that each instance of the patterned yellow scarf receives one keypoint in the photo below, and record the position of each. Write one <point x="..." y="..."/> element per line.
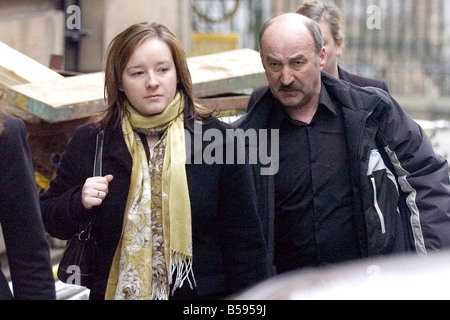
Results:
<point x="134" y="272"/>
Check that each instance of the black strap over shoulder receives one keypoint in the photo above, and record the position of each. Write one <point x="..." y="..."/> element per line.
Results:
<point x="98" y="154"/>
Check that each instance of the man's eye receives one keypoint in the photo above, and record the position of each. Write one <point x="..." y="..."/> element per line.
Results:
<point x="274" y="65"/>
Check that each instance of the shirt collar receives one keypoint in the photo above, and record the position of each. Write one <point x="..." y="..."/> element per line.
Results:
<point x="326" y="101"/>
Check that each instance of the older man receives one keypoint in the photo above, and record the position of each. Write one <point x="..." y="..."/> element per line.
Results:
<point x="357" y="176"/>
<point x="330" y="20"/>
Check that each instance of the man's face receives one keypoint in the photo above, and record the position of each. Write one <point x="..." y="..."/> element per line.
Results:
<point x="292" y="65"/>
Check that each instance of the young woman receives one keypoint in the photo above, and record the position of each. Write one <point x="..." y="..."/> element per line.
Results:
<point x="20" y="217"/>
<point x="167" y="226"/>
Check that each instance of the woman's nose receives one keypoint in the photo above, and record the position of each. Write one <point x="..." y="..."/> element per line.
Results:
<point x="151" y="81"/>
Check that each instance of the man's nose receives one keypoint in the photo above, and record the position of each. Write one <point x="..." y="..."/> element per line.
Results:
<point x="287" y="76"/>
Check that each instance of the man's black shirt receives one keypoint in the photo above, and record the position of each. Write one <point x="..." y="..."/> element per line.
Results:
<point x="313" y="200"/>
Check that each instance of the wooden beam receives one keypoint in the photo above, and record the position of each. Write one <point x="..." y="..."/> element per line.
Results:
<point x="82" y="96"/>
<point x="17" y="68"/>
<point x="63" y="100"/>
<point x="238" y="103"/>
<point x="226" y="72"/>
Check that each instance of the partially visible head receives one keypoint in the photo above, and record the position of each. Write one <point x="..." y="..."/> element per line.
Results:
<point x="330" y="20"/>
<point x="293" y="56"/>
<point x="118" y="55"/>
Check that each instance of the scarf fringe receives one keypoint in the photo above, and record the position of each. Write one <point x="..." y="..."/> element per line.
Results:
<point x="159" y="292"/>
<point x="181" y="267"/>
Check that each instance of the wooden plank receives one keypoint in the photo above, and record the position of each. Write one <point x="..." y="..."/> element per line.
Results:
<point x="83" y="96"/>
<point x="226" y="72"/>
<point x="17" y="68"/>
<point x="226" y="103"/>
<point x="55" y="101"/>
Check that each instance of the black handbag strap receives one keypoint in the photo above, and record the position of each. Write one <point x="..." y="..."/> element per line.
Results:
<point x="85" y="232"/>
<point x="98" y="154"/>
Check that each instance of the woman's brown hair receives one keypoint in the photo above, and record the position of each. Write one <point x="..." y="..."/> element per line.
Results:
<point x="118" y="54"/>
<point x="1" y="123"/>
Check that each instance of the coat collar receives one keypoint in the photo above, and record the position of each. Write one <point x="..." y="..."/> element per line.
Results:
<point x="115" y="147"/>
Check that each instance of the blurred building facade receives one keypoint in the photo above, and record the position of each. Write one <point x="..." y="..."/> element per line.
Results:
<point x="404" y="42"/>
<point x="80" y="30"/>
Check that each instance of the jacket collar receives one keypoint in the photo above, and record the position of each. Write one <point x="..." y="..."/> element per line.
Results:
<point x="370" y="104"/>
<point x="259" y="116"/>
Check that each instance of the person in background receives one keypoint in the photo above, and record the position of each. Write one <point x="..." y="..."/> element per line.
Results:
<point x="357" y="176"/>
<point x="331" y="23"/>
<point x="24" y="235"/>
<point x="168" y="226"/>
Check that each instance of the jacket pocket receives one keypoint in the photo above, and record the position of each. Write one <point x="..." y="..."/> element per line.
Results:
<point x="382" y="215"/>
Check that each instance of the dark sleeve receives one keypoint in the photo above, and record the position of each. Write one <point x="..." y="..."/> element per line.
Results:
<point x="24" y="234"/>
<point x="61" y="205"/>
<point x="424" y="178"/>
<point x="246" y="252"/>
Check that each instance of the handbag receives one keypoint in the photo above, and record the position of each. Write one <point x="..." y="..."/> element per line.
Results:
<point x="78" y="262"/>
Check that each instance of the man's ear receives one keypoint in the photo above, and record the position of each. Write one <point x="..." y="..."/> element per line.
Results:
<point x="339" y="47"/>
<point x="322" y="58"/>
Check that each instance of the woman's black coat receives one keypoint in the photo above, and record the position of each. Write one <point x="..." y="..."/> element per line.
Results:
<point x="228" y="246"/>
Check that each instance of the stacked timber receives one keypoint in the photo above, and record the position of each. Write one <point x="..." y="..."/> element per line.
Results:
<point x="61" y="100"/>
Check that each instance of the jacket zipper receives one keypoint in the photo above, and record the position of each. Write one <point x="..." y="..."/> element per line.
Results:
<point x="377" y="207"/>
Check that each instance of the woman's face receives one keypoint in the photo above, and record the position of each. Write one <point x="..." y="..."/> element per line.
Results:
<point x="150" y="78"/>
